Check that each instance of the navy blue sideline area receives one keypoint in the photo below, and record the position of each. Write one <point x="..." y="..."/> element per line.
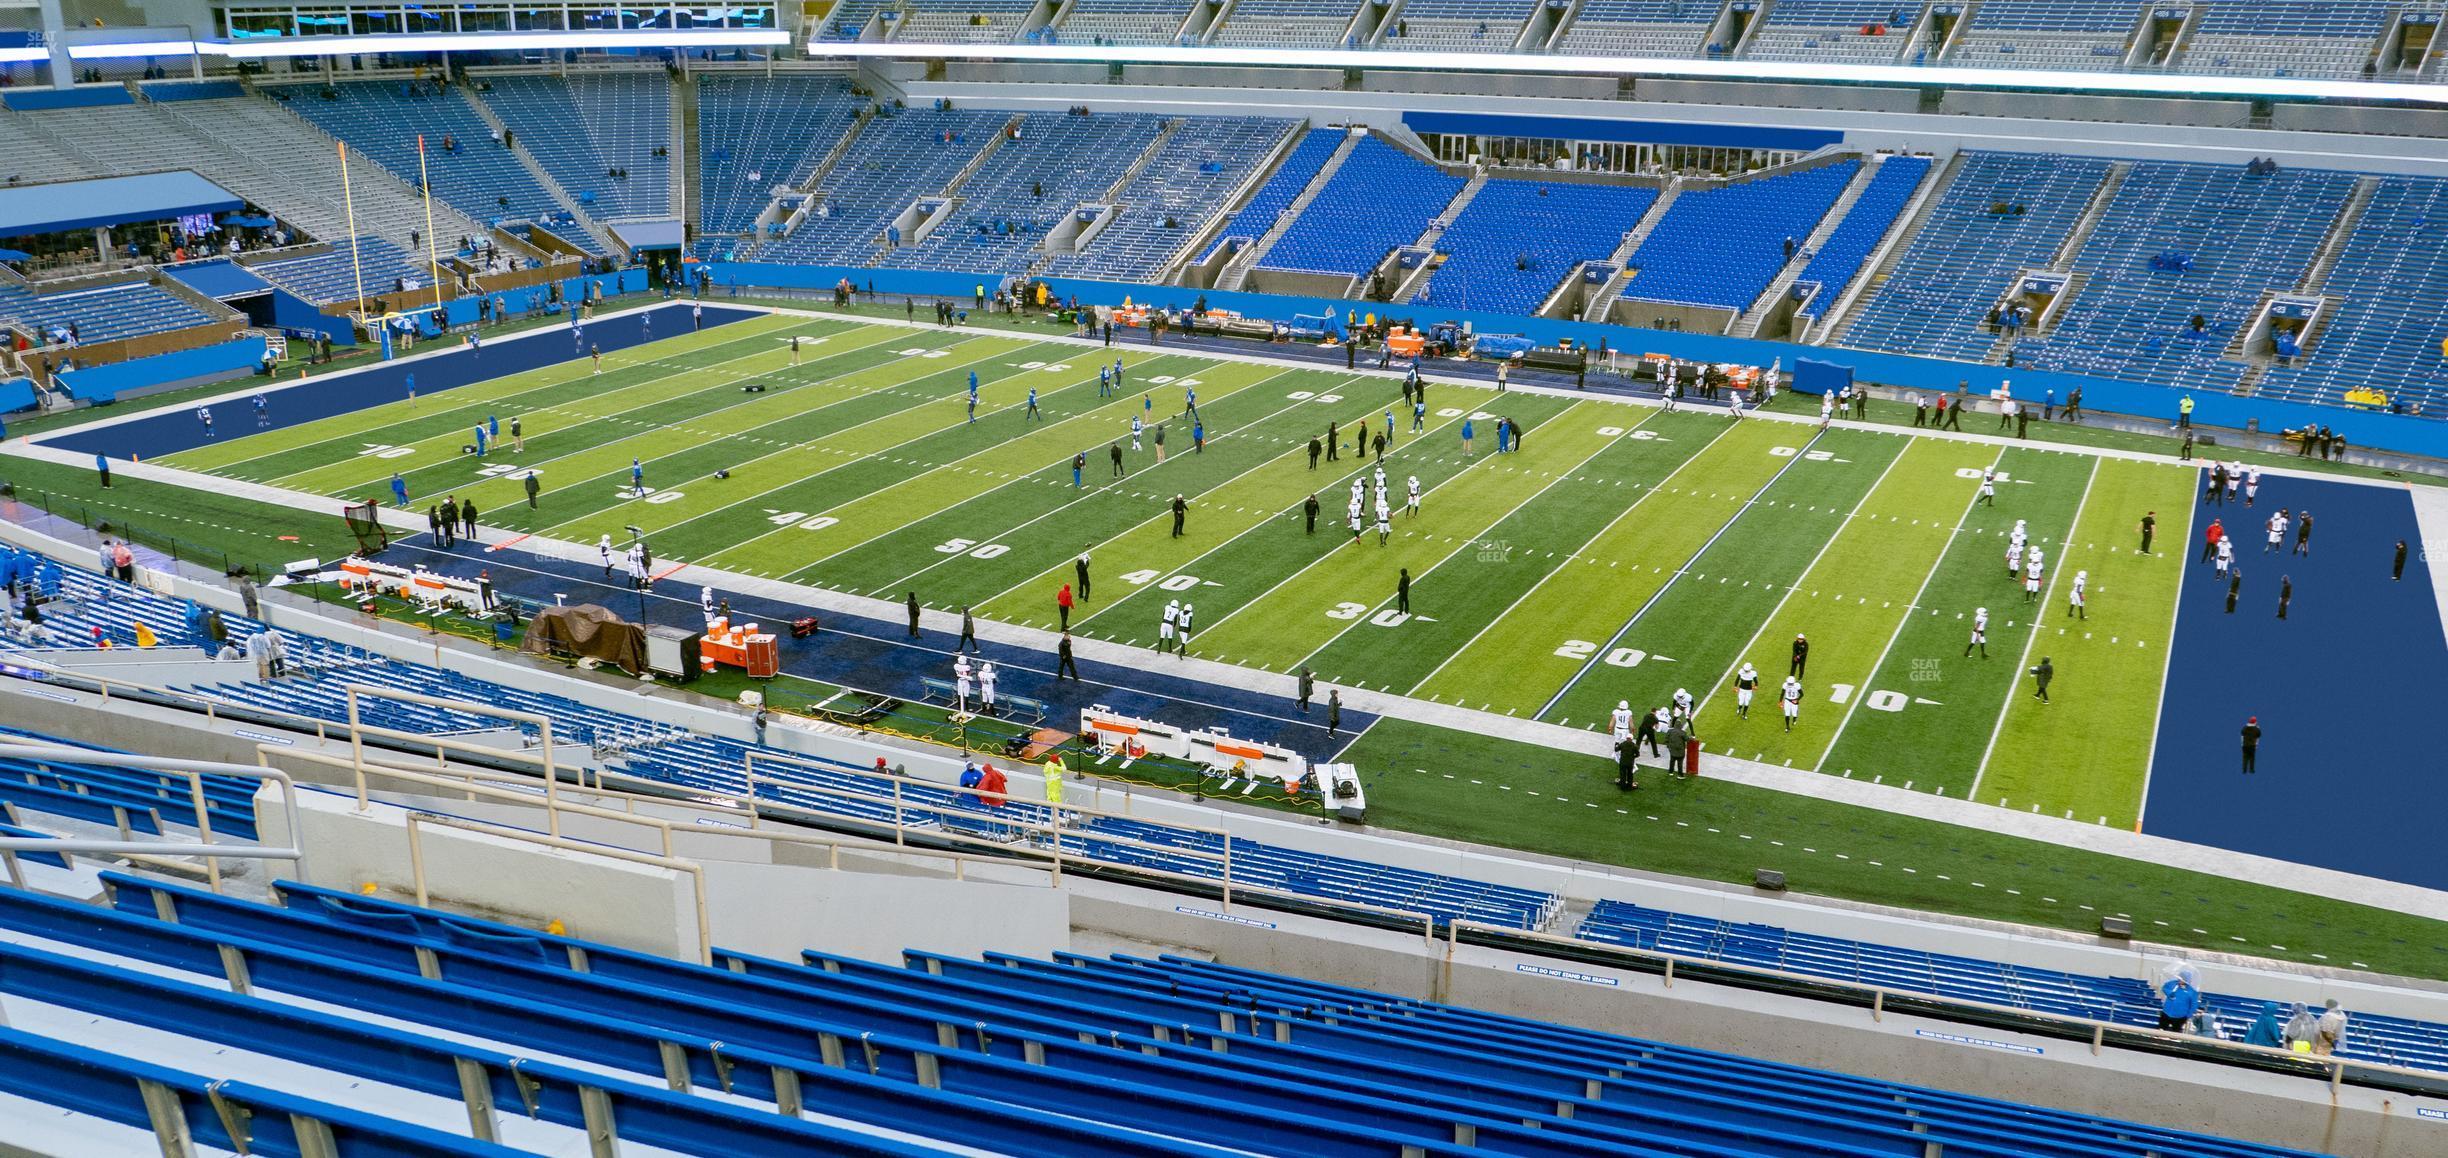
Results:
<point x="173" y="429"/>
<point x="2364" y="428"/>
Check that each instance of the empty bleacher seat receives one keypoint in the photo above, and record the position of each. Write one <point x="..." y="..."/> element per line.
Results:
<point x="1639" y="28"/>
<point x="1380" y="198"/>
<point x="1719" y="247"/>
<point x="1183" y="187"/>
<point x="1518" y="237"/>
<point x="758" y="132"/>
<point x="1874" y="213"/>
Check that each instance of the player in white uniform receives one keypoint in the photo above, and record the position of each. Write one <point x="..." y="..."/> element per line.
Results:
<point x="1980" y="633"/>
<point x="1988" y="491"/>
<point x="1164" y="629"/>
<point x="2235" y="479"/>
<point x="2252" y="484"/>
<point x="1744" y="681"/>
<point x="2076" y="598"/>
<point x="1790" y="699"/>
<point x="1354" y="513"/>
<point x="2014" y="559"/>
<point x="1619" y="725"/>
<point x="1377" y="479"/>
<point x="705" y="603"/>
<point x="1385" y="519"/>
<point x="1136" y="427"/>
<point x="2226" y="556"/>
<point x="2020" y="536"/>
<point x="986" y="687"/>
<point x="1413" y="506"/>
<point x="2031" y="578"/>
<point x="1683" y="703"/>
<point x="960" y="682"/>
<point x="2277" y="532"/>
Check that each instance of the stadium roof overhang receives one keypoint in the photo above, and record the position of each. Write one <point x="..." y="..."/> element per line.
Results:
<point x="2130" y="84"/>
<point x="26" y="210"/>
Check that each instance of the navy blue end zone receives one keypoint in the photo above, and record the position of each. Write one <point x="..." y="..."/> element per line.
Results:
<point x="2349" y="762"/>
<point x="174" y="428"/>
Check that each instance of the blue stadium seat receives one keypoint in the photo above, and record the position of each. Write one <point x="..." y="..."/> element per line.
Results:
<point x="1720" y="247"/>
<point x="1518" y="237"/>
<point x="1380" y="198"/>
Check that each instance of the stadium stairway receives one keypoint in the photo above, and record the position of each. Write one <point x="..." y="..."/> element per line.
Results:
<point x="1079" y="1055"/>
<point x="1236" y="275"/>
<point x="1748" y="324"/>
<point x="602" y="239"/>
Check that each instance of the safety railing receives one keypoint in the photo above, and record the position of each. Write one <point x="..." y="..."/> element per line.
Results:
<point x="418" y="821"/>
<point x="1880" y="1000"/>
<point x="158" y="851"/>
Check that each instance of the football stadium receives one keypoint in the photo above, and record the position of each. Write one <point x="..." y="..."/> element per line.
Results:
<point x="967" y="577"/>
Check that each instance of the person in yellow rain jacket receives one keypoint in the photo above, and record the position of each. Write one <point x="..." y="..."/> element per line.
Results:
<point x="145" y="636"/>
<point x="1054" y="773"/>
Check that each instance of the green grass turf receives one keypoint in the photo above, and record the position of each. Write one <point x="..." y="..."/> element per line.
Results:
<point x="1476" y="586"/>
<point x="970" y="552"/>
<point x="1143" y="551"/>
<point x="1947" y="704"/>
<point x="1559" y="631"/>
<point x="1251" y="555"/>
<point x="1025" y="470"/>
<point x="1696" y="631"/>
<point x="1491" y="790"/>
<point x="2083" y="755"/>
<point x="1849" y="604"/>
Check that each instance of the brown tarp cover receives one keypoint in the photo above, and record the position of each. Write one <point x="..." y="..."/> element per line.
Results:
<point x="588" y="631"/>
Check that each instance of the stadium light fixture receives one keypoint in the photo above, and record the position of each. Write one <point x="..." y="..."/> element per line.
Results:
<point x="2137" y="84"/>
<point x="257" y="48"/>
<point x="20" y="54"/>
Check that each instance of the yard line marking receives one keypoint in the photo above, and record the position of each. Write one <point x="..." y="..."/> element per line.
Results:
<point x="586" y="419"/>
<point x="1498" y="521"/>
<point x="1575" y="553"/>
<point x="1782" y="600"/>
<point x="1304" y="569"/>
<point x="1090" y="493"/>
<point x="955" y="466"/>
<point x="1591" y="663"/>
<point x="758" y="497"/>
<point x="499" y="404"/>
<point x="1905" y="619"/>
<point x="2039" y="616"/>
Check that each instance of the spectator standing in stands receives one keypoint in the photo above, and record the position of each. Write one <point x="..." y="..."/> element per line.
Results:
<point x="2330" y="1031"/>
<point x="2178" y="1002"/>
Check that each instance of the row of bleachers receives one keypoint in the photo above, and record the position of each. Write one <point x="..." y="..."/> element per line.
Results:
<point x="1380" y="198"/>
<point x="2076" y="51"/>
<point x="1055" y="162"/>
<point x="329" y="278"/>
<point x="28" y="157"/>
<point x="1639" y="28"/>
<point x="2242" y="237"/>
<point x="583" y="126"/>
<point x="850" y="17"/>
<point x="322" y="672"/>
<point x="1720" y="247"/>
<point x="100" y="793"/>
<point x="2056" y="16"/>
<point x="1283" y="24"/>
<point x="2002" y="214"/>
<point x="968" y="22"/>
<point x="288" y="166"/>
<point x="381" y="121"/>
<point x="1123" y="22"/>
<point x="2390" y="283"/>
<point x="105" y="314"/>
<point x="1834" y="30"/>
<point x="1186" y="184"/>
<point x="2124" y="1000"/>
<point x="1839" y="259"/>
<point x="1282" y="187"/>
<point x="1517" y="238"/>
<point x="2225" y="54"/>
<point x="896" y="159"/>
<point x="987" y="1055"/>
<point x="1458" y="25"/>
<point x="756" y="132"/>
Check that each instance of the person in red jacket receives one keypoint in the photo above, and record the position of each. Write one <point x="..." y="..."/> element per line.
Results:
<point x="1062" y="603"/>
<point x="2210" y="539"/>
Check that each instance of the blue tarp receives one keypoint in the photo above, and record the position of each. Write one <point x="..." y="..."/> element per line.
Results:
<point x="1818" y="376"/>
<point x="64" y="205"/>
<point x="16" y="394"/>
<point x="107" y="383"/>
<point x="81" y="97"/>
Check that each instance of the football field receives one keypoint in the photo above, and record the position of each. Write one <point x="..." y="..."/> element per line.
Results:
<point x="1620" y="553"/>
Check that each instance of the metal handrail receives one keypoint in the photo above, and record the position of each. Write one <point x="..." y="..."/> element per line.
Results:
<point x="194" y="772"/>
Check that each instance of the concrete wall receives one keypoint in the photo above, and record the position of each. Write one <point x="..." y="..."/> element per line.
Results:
<point x="777" y="910"/>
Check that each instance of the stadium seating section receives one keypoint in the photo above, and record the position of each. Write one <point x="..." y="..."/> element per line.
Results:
<point x="2088" y="35"/>
<point x="1264" y="208"/>
<point x="1639" y="28"/>
<point x="1284" y="24"/>
<point x="1839" y="259"/>
<point x="1459" y="25"/>
<point x="895" y="160"/>
<point x="1517" y="238"/>
<point x="99" y="315"/>
<point x="1183" y="187"/>
<point x="755" y="133"/>
<point x="1123" y="22"/>
<point x="375" y="1005"/>
<point x="1381" y="198"/>
<point x="1846" y="31"/>
<point x="334" y="277"/>
<point x="2002" y="214"/>
<point x="1048" y="166"/>
<point x="1720" y="246"/>
<point x="582" y="127"/>
<point x="2389" y="290"/>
